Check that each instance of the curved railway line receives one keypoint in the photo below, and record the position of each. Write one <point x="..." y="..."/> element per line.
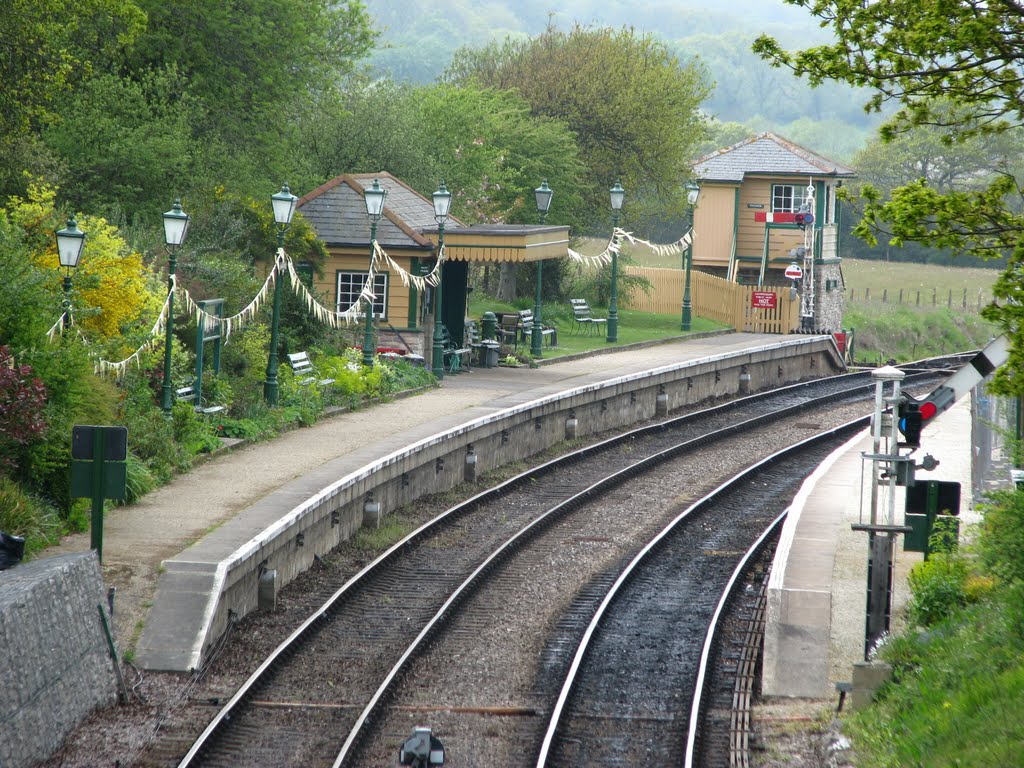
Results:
<point x="473" y="621"/>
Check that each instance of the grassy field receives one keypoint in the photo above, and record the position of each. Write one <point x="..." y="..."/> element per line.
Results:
<point x="921" y="284"/>
<point x="912" y="330"/>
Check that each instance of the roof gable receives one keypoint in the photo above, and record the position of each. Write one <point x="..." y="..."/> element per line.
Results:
<point x="337" y="212"/>
<point x="766" y="155"/>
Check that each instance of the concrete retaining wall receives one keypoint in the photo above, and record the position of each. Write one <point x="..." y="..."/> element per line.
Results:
<point x="54" y="663"/>
<point x="318" y="524"/>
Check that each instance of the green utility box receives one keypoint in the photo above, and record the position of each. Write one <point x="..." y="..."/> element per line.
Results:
<point x="932" y="506"/>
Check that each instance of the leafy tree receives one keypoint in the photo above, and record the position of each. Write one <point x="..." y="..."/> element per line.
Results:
<point x="110" y="282"/>
<point x="48" y="49"/>
<point x="632" y="106"/>
<point x="126" y="142"/>
<point x="252" y="67"/>
<point x="924" y="57"/>
<point x="483" y="143"/>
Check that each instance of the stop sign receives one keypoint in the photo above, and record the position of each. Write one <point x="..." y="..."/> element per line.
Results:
<point x="794" y="272"/>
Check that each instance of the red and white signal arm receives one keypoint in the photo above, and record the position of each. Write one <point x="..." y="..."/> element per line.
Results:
<point x="794" y="272"/>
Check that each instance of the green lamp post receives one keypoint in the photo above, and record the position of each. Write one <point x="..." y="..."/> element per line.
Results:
<point x="442" y="202"/>
<point x="70" y="242"/>
<point x="692" y="193"/>
<point x="618" y="194"/>
<point x="283" y="203"/>
<point x="374" y="197"/>
<point x="543" y="194"/>
<point x="175" y="229"/>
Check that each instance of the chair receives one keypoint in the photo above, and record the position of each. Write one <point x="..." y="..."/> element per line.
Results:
<point x="526" y="327"/>
<point x="304" y="371"/>
<point x="509" y="330"/>
<point x="457" y="358"/>
<point x="583" y="318"/>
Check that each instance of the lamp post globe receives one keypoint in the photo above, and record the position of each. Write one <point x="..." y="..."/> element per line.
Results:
<point x="70" y="242"/>
<point x="175" y="229"/>
<point x="692" y="194"/>
<point x="374" y="197"/>
<point x="617" y="195"/>
<point x="442" y="200"/>
<point x="543" y="195"/>
<point x="283" y="203"/>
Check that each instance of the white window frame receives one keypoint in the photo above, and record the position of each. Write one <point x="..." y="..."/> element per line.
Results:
<point x="353" y="282"/>
<point x="793" y="192"/>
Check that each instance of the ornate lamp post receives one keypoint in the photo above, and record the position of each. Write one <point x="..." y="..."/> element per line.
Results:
<point x="543" y="194"/>
<point x="175" y="229"/>
<point x="442" y="202"/>
<point x="374" y="197"/>
<point x="70" y="242"/>
<point x="692" y="193"/>
<point x="618" y="194"/>
<point x="283" y="203"/>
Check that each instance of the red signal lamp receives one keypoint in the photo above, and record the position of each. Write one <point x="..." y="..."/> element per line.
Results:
<point x="927" y="410"/>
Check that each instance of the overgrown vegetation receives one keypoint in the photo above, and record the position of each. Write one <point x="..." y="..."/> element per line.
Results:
<point x="959" y="672"/>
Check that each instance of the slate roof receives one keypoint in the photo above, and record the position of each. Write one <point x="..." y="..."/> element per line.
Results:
<point x="337" y="211"/>
<point x="766" y="155"/>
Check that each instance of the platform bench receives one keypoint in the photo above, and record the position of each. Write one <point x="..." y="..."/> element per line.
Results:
<point x="188" y="395"/>
<point x="304" y="371"/>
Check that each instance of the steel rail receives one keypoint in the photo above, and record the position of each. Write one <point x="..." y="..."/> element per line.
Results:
<point x="276" y="657"/>
<point x="627" y="573"/>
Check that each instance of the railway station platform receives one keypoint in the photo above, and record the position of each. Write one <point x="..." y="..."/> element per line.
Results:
<point x="817" y="597"/>
<point x="196" y="549"/>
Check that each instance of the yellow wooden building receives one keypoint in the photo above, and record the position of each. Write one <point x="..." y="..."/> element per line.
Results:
<point x="751" y="195"/>
<point x="408" y="233"/>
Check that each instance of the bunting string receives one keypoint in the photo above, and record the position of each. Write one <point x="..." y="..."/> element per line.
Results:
<point x="283" y="265"/>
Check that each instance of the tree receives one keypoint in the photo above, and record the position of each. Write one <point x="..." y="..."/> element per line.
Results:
<point x="47" y="48"/>
<point x="924" y="57"/>
<point x="632" y="106"/>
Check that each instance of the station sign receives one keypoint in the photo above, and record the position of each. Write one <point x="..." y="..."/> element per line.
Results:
<point x="764" y="299"/>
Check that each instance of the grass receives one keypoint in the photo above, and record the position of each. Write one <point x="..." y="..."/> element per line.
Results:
<point x="879" y="276"/>
<point x="634" y="327"/>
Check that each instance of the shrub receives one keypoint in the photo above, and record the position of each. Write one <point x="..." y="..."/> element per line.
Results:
<point x="938" y="589"/>
<point x="22" y="400"/>
<point x="139" y="480"/>
<point x="1001" y="538"/>
<point x="22" y="514"/>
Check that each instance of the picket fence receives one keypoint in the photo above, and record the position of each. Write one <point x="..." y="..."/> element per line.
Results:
<point x="714" y="298"/>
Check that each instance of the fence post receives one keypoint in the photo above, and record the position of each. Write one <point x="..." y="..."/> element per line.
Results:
<point x="919" y="298"/>
<point x="885" y="295"/>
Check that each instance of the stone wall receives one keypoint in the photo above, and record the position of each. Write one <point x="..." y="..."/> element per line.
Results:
<point x="55" y="664"/>
<point x="829" y="294"/>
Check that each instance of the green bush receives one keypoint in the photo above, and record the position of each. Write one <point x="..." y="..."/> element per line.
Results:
<point x="139" y="480"/>
<point x="22" y="514"/>
<point x="1001" y="538"/>
<point x="955" y="700"/>
<point x="938" y="589"/>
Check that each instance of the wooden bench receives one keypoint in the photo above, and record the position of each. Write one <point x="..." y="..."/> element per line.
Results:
<point x="583" y="318"/>
<point x="188" y="395"/>
<point x="526" y="326"/>
<point x="304" y="371"/>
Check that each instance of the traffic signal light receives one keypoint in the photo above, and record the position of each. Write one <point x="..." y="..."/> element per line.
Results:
<point x="910" y="422"/>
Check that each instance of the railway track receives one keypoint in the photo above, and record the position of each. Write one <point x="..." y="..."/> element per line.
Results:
<point x="317" y="700"/>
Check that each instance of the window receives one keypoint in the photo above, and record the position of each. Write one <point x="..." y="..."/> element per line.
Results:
<point x="787" y="198"/>
<point x="350" y="284"/>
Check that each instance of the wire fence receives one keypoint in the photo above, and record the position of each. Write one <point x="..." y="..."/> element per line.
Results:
<point x="966" y="299"/>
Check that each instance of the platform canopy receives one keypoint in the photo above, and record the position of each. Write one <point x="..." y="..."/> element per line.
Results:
<point x="504" y="242"/>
